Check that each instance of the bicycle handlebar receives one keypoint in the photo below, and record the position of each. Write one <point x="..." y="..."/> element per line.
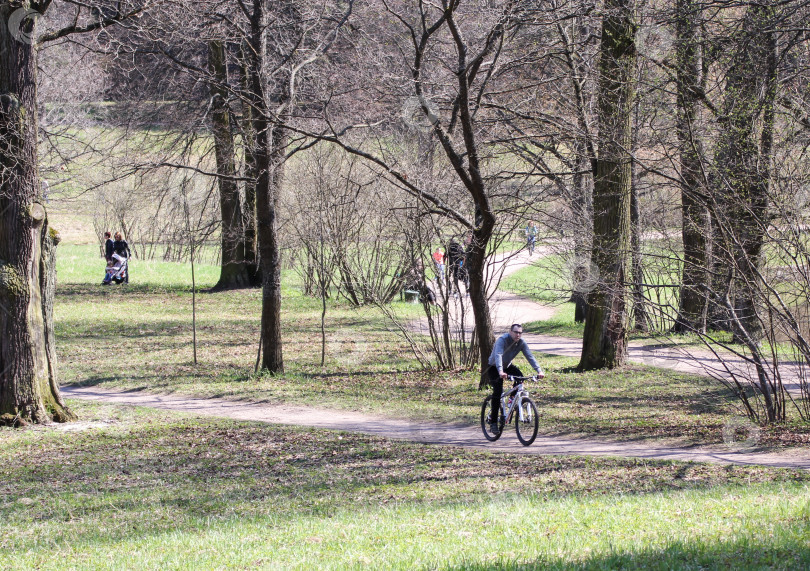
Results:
<point x="517" y="378"/>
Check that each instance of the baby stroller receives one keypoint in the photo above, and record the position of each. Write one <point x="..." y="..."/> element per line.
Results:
<point x="117" y="270"/>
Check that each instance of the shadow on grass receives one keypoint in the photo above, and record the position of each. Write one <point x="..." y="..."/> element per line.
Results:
<point x="788" y="552"/>
<point x="166" y="475"/>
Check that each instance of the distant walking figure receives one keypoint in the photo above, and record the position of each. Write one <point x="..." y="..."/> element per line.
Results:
<point x="455" y="262"/>
<point x="438" y="259"/>
<point x="531" y="237"/>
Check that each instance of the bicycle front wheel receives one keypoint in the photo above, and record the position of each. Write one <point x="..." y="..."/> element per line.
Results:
<point x="526" y="427"/>
<point x="486" y="416"/>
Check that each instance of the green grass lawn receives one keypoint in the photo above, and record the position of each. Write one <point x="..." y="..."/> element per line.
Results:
<point x="139" y="336"/>
<point x="546" y="282"/>
<point x="145" y="489"/>
<point x="83" y="264"/>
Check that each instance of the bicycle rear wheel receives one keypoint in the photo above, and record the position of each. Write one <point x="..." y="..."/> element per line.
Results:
<point x="527" y="428"/>
<point x="486" y="415"/>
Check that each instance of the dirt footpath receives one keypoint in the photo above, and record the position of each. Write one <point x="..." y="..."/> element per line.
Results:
<point x="443" y="434"/>
<point x="507" y="308"/>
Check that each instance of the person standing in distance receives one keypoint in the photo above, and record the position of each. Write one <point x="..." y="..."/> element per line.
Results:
<point x="122" y="253"/>
<point x="108" y="247"/>
<point x="506" y="348"/>
<point x="109" y="250"/>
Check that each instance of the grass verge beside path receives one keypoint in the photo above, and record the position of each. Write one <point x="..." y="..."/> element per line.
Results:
<point x="138" y="337"/>
<point x="548" y="283"/>
<point x="150" y="489"/>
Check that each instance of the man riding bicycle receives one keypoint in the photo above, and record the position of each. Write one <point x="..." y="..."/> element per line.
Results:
<point x="506" y="348"/>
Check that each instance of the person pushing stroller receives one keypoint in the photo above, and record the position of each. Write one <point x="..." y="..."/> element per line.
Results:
<point x="117" y="254"/>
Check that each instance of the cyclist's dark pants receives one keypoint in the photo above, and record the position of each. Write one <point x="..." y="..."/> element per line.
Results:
<point x="497" y="385"/>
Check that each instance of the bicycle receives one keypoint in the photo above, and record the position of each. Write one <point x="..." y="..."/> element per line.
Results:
<point x="526" y="420"/>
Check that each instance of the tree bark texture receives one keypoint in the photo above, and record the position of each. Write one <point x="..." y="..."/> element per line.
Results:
<point x="28" y="386"/>
<point x="695" y="223"/>
<point x="269" y="157"/>
<point x="605" y="336"/>
<point x="583" y="234"/>
<point x="743" y="158"/>
<point x="641" y="319"/>
<point x="251" y="176"/>
<point x="476" y="261"/>
<point x="234" y="271"/>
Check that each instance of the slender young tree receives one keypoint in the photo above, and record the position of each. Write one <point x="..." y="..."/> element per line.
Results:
<point x="458" y="41"/>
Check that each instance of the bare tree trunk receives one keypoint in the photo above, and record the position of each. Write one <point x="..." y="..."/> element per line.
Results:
<point x="269" y="164"/>
<point x="583" y="241"/>
<point x="476" y="260"/>
<point x="28" y="385"/>
<point x="641" y="320"/>
<point x="233" y="272"/>
<point x="605" y="337"/>
<point x="251" y="176"/>
<point x="695" y="223"/>
<point x="582" y="202"/>
<point x="743" y="169"/>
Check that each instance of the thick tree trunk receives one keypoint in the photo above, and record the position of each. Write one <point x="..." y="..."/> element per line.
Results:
<point x="269" y="163"/>
<point x="28" y="387"/>
<point x="605" y="338"/>
<point x="251" y="176"/>
<point x="234" y="271"/>
<point x="695" y="223"/>
<point x="743" y="161"/>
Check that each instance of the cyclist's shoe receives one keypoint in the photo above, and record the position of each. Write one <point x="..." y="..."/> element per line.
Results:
<point x="494" y="428"/>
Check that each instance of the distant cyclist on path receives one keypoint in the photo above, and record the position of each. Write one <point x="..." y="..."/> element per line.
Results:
<point x="531" y="236"/>
<point x="506" y="348"/>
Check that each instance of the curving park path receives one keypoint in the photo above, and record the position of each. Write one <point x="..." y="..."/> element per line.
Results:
<point x="507" y="309"/>
<point x="464" y="436"/>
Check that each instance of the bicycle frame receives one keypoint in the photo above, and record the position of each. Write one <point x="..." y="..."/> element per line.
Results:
<point x="518" y="393"/>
